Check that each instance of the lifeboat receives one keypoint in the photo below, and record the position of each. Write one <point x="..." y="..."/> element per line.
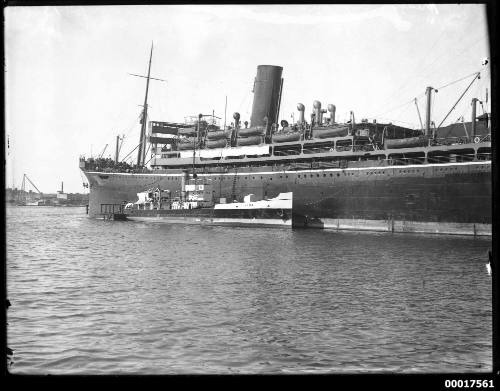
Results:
<point x="252" y="140"/>
<point x="409" y="142"/>
<point x="186" y="146"/>
<point x="330" y="132"/>
<point x="187" y="143"/>
<point x="255" y="131"/>
<point x="285" y="137"/>
<point x="187" y="132"/>
<point x="217" y="135"/>
<point x="221" y="143"/>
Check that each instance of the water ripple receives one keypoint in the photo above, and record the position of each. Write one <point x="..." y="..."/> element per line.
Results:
<point x="94" y="297"/>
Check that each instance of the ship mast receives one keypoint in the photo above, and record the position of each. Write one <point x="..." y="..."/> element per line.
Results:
<point x="428" y="93"/>
<point x="142" y="145"/>
<point x="141" y="153"/>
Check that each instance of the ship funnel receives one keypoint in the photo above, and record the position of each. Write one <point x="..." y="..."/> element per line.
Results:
<point x="331" y="109"/>
<point x="317" y="111"/>
<point x="301" y="108"/>
<point x="267" y="92"/>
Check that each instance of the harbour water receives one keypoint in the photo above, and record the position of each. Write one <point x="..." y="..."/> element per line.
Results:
<point x="104" y="297"/>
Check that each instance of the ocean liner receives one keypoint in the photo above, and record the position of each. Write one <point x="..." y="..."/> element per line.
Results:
<point x="362" y="175"/>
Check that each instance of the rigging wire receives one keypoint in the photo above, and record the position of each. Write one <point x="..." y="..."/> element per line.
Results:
<point x="461" y="96"/>
<point x="418" y="66"/>
<point x="392" y="120"/>
<point x="443" y="66"/>
<point x="467" y="48"/>
<point x="85" y="185"/>
<point x="130" y="128"/>
<point x="399" y="106"/>
<point x="151" y="158"/>
<point x="401" y="114"/>
<point x="456" y="81"/>
<point x="418" y="113"/>
<point x="243" y="100"/>
<point x="140" y="115"/>
<point x="147" y="150"/>
<point x="137" y="146"/>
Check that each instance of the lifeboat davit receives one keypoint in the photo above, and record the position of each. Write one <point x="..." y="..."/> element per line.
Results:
<point x="327" y="132"/>
<point x="252" y="140"/>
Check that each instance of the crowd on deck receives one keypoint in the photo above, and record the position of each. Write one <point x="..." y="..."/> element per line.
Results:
<point x="109" y="165"/>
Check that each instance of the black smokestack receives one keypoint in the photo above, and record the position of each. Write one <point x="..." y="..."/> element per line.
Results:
<point x="266" y="95"/>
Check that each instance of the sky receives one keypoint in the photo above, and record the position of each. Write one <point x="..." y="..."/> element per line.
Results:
<point x="69" y="92"/>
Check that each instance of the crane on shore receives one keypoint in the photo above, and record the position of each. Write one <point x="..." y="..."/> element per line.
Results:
<point x="23" y="190"/>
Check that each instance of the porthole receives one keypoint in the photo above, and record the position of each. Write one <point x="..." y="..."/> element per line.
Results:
<point x="299" y="175"/>
<point x="331" y="174"/>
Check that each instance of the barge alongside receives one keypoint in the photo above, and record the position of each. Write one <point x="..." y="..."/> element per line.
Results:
<point x="345" y="176"/>
<point x="197" y="206"/>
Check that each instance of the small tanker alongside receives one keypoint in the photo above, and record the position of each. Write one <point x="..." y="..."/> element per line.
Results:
<point x="195" y="205"/>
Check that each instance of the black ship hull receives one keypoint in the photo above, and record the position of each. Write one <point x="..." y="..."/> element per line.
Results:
<point x="453" y="198"/>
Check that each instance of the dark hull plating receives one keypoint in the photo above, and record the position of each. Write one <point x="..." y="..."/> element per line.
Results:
<point x="434" y="198"/>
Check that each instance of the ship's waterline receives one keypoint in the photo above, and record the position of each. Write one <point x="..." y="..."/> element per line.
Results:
<point x="451" y="198"/>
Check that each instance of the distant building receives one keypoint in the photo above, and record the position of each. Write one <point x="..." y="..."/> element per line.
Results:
<point x="59" y="198"/>
<point x="61" y="195"/>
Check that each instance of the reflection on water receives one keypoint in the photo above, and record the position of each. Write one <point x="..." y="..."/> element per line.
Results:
<point x="103" y="297"/>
